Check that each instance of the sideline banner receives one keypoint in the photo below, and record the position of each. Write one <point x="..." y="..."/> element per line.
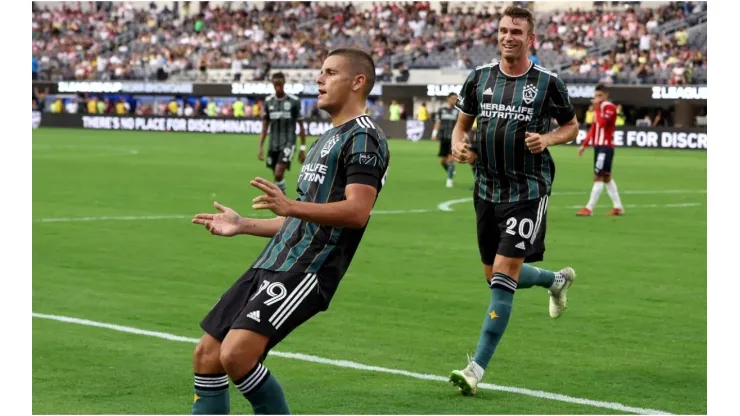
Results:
<point x="643" y="137"/>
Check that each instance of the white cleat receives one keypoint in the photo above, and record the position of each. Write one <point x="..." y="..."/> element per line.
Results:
<point x="465" y="380"/>
<point x="449" y="183"/>
<point x="559" y="292"/>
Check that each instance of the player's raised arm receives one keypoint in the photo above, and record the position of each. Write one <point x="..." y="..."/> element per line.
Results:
<point x="365" y="170"/>
<point x="229" y="223"/>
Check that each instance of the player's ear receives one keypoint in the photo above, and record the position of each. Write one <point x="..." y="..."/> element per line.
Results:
<point x="530" y="39"/>
<point x="359" y="82"/>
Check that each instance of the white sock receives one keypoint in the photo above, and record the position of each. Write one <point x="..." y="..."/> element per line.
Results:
<point x="478" y="371"/>
<point x="595" y="193"/>
<point x="611" y="189"/>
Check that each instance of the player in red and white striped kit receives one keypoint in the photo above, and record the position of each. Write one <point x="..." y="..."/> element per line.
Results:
<point x="602" y="136"/>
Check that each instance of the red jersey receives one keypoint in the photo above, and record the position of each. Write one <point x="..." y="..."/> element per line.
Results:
<point x="602" y="129"/>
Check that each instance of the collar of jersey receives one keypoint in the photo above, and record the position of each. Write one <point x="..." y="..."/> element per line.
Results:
<point x="531" y="65"/>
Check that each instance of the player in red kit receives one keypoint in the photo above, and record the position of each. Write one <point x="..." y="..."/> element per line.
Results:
<point x="602" y="137"/>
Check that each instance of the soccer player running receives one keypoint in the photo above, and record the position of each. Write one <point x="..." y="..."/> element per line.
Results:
<point x="444" y="123"/>
<point x="312" y="242"/>
<point x="602" y="136"/>
<point x="282" y="113"/>
<point x="514" y="101"/>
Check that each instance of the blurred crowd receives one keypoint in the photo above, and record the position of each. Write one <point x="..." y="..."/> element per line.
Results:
<point x="115" y="41"/>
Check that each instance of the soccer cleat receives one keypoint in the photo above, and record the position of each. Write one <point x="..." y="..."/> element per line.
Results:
<point x="585" y="212"/>
<point x="449" y="183"/>
<point x="465" y="380"/>
<point x="559" y="292"/>
<point x="616" y="211"/>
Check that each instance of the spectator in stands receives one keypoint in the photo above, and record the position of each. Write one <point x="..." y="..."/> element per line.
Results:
<point x="387" y="74"/>
<point x="35" y="67"/>
<point x="404" y="74"/>
<point x="122" y="107"/>
<point x="238" y="108"/>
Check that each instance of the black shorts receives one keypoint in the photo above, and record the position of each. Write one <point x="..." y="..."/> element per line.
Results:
<point x="603" y="156"/>
<point x="270" y="303"/>
<point x="515" y="229"/>
<point x="445" y="148"/>
<point x="284" y="156"/>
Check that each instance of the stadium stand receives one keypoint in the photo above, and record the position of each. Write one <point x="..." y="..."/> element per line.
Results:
<point x="643" y="42"/>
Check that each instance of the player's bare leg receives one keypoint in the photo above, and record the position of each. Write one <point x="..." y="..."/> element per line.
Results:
<point x="611" y="189"/>
<point x="211" y="395"/>
<point x="595" y="194"/>
<point x="240" y="356"/>
<point x="280" y="175"/>
<point x="450" y="170"/>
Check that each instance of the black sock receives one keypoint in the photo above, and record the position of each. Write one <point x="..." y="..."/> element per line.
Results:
<point x="263" y="391"/>
<point x="211" y="394"/>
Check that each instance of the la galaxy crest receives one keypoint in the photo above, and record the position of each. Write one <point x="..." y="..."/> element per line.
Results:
<point x="329" y="144"/>
<point x="530" y="93"/>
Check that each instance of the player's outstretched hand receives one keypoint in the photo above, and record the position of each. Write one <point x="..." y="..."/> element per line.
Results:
<point x="261" y="154"/>
<point x="535" y="142"/>
<point x="274" y="199"/>
<point x="302" y="156"/>
<point x="226" y="224"/>
<point x="581" y="149"/>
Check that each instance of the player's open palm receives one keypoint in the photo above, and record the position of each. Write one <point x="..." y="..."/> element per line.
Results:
<point x="274" y="199"/>
<point x="226" y="223"/>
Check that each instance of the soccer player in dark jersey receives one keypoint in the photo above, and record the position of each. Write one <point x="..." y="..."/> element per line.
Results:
<point x="444" y="123"/>
<point x="513" y="101"/>
<point x="312" y="242"/>
<point x="282" y="113"/>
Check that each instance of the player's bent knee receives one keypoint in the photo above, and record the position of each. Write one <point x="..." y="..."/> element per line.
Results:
<point x="510" y="266"/>
<point x="206" y="356"/>
<point x="241" y="350"/>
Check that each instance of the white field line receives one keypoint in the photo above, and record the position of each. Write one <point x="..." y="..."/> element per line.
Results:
<point x="363" y="367"/>
<point x="443" y="207"/>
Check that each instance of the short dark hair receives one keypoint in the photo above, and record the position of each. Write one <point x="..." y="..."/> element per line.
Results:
<point x="361" y="62"/>
<point x="516" y="12"/>
<point x="452" y="94"/>
<point x="278" y="76"/>
<point x="602" y="88"/>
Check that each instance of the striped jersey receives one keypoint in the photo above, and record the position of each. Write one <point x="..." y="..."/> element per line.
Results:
<point x="283" y="115"/>
<point x="355" y="152"/>
<point x="601" y="132"/>
<point x="447" y="117"/>
<point x="506" y="107"/>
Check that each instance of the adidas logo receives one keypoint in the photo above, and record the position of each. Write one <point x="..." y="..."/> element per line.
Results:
<point x="521" y="246"/>
<point x="489" y="91"/>
<point x="254" y="315"/>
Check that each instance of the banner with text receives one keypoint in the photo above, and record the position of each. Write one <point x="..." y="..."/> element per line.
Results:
<point x="644" y="137"/>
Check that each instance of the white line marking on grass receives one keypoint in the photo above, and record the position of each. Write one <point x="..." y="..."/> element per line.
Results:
<point x="445" y="206"/>
<point x="363" y="367"/>
<point x="182" y="216"/>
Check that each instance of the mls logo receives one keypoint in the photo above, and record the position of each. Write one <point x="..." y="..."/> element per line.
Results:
<point x="530" y="92"/>
<point x="368" y="159"/>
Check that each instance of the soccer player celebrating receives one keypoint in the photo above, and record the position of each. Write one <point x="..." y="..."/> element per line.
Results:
<point x="602" y="136"/>
<point x="513" y="101"/>
<point x="444" y="123"/>
<point x="312" y="242"/>
<point x="282" y="113"/>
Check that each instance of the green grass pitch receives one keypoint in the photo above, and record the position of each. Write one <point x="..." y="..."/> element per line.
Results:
<point x="413" y="299"/>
